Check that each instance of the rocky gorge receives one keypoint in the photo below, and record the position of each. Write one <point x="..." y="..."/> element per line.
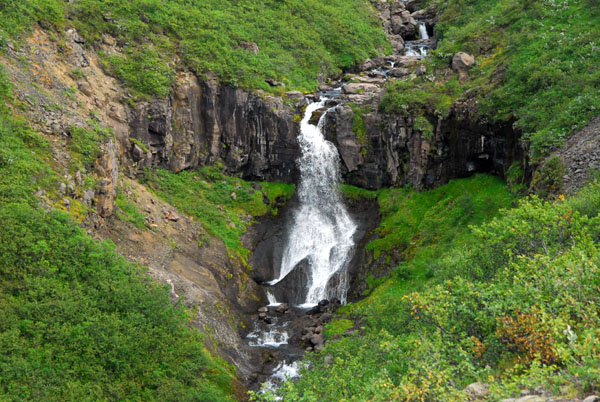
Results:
<point x="254" y="134"/>
<point x="255" y="317"/>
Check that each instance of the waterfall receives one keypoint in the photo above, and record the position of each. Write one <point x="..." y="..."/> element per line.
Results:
<point x="423" y="31"/>
<point x="322" y="230"/>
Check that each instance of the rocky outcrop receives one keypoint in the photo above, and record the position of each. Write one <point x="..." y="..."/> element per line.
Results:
<point x="205" y="121"/>
<point x="581" y="156"/>
<point x="393" y="152"/>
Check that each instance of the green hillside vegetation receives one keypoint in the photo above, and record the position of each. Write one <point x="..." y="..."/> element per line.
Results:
<point x="511" y="301"/>
<point x="78" y="321"/>
<point x="298" y="40"/>
<point x="224" y="205"/>
<point x="536" y="63"/>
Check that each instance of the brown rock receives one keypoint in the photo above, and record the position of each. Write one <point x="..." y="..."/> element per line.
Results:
<point x="252" y="47"/>
<point x="462" y="62"/>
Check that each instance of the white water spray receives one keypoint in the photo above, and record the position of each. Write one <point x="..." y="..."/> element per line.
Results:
<point x="322" y="229"/>
<point x="423" y="35"/>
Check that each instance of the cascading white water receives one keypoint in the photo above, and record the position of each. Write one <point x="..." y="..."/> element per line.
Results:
<point x="423" y="31"/>
<point x="322" y="229"/>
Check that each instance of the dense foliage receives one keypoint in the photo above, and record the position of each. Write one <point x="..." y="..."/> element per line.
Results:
<point x="536" y="63"/>
<point x="512" y="301"/>
<point x="298" y="40"/>
<point x="78" y="321"/>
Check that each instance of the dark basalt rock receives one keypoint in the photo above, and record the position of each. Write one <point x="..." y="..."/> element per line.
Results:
<point x="393" y="153"/>
<point x="205" y="121"/>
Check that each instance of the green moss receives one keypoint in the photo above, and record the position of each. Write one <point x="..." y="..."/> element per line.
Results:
<point x="84" y="143"/>
<point x="548" y="179"/>
<point x="139" y="143"/>
<point x="358" y="124"/>
<point x="420" y="96"/>
<point x="425" y="127"/>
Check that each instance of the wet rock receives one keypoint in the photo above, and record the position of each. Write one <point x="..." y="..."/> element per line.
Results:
<point x="325" y="317"/>
<point x="323" y="303"/>
<point x="399" y="72"/>
<point x="263" y="310"/>
<point x="282" y="308"/>
<point x="205" y="121"/>
<point x="592" y="398"/>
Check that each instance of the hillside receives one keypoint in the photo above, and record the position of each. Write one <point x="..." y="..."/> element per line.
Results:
<point x="179" y="177"/>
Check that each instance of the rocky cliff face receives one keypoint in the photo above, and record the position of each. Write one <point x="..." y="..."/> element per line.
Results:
<point x="392" y="152"/>
<point x="203" y="122"/>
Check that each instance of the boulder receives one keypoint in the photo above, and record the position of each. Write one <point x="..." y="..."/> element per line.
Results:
<point x="263" y="310"/>
<point x="399" y="72"/>
<point x="592" y="398"/>
<point x="477" y="390"/>
<point x="360" y="87"/>
<point x="249" y="46"/>
<point x="282" y="308"/>
<point x="462" y="62"/>
<point x="317" y="339"/>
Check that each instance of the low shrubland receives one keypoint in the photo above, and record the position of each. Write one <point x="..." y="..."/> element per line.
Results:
<point x="507" y="297"/>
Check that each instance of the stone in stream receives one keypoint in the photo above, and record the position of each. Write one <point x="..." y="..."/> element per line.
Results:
<point x="262" y="316"/>
<point x="282" y="308"/>
<point x="323" y="303"/>
<point x="263" y="310"/>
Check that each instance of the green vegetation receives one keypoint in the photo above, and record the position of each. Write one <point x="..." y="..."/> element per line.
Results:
<point x="511" y="301"/>
<point x="84" y="144"/>
<point x="421" y="96"/>
<point x="298" y="40"/>
<point x="536" y="63"/>
<point x="224" y="205"/>
<point x="78" y="321"/>
<point x="129" y="212"/>
<point x="358" y="125"/>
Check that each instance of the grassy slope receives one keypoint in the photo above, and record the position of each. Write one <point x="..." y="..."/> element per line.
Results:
<point x="206" y="194"/>
<point x="78" y="321"/>
<point x="299" y="40"/>
<point x="536" y="62"/>
<point x="512" y="301"/>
